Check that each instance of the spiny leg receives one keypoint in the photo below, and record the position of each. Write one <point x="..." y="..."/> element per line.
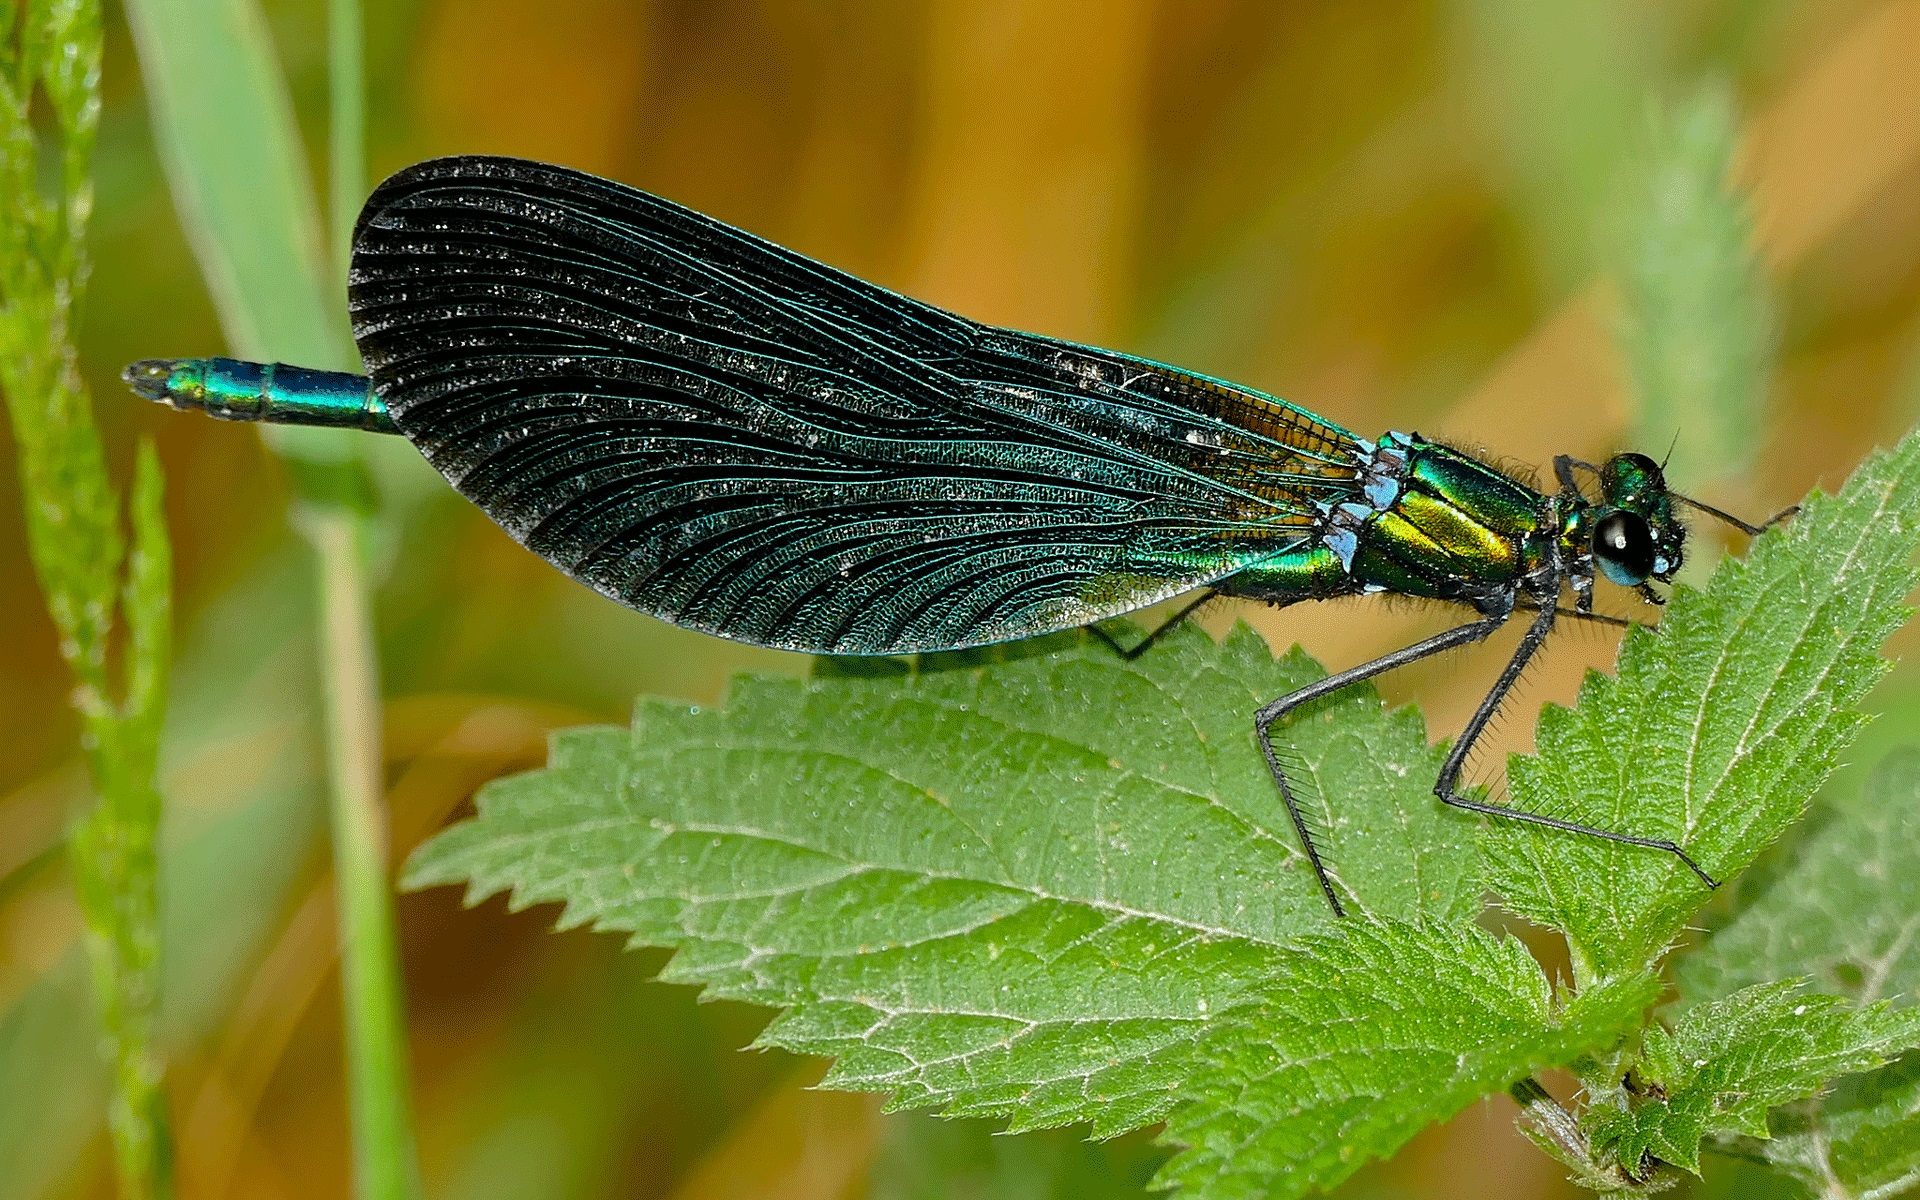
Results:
<point x="1186" y="610"/>
<point x="1446" y="786"/>
<point x="1461" y="635"/>
<point x="1563" y="468"/>
<point x="1595" y="618"/>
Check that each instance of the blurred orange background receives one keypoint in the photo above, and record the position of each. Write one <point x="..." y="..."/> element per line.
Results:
<point x="1384" y="212"/>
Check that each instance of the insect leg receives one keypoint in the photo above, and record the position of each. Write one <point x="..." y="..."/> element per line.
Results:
<point x="1446" y="786"/>
<point x="1564" y="466"/>
<point x="1595" y="618"/>
<point x="1186" y="610"/>
<point x="1263" y="721"/>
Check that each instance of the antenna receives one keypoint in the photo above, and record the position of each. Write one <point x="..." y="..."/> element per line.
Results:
<point x="1736" y="522"/>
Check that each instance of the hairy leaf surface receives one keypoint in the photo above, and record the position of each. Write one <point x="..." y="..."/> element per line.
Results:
<point x="1847" y="912"/>
<point x="1033" y="886"/>
<point x="1370" y="1037"/>
<point x="1718" y="727"/>
<point x="1726" y="1063"/>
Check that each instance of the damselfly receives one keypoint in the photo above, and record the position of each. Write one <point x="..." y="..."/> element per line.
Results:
<point x="743" y="441"/>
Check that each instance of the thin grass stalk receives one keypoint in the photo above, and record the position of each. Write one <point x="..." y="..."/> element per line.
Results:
<point x="347" y="142"/>
<point x="385" y="1164"/>
<point x="385" y="1161"/>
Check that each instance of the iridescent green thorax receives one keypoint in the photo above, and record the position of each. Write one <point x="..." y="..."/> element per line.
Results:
<point x="1431" y="522"/>
<point x="247" y="391"/>
<point x="1458" y="529"/>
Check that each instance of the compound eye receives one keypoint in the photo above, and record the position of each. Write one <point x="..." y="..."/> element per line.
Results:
<point x="1637" y="464"/>
<point x="1626" y="478"/>
<point x="1623" y="546"/>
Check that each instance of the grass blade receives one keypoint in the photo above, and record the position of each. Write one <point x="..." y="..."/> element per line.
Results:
<point x="237" y="169"/>
<point x="347" y="142"/>
<point x="232" y="153"/>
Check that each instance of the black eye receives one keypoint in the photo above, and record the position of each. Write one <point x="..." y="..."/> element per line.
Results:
<point x="1623" y="546"/>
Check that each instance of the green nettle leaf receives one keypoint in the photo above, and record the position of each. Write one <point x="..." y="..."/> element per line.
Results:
<point x="1028" y="886"/>
<point x="1726" y="1063"/>
<point x="1717" y="728"/>
<point x="1370" y="1037"/>
<point x="1863" y="1137"/>
<point x="1049" y="886"/>
<point x="1847" y="912"/>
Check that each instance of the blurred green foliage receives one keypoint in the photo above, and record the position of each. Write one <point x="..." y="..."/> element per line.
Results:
<point x="928" y="1158"/>
<point x="1697" y="322"/>
<point x="99" y="582"/>
<point x="1842" y="915"/>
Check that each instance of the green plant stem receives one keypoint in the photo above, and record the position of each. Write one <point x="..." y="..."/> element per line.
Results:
<point x="384" y="1161"/>
<point x="383" y="1144"/>
<point x="111" y="848"/>
<point x="112" y="858"/>
<point x="1558" y="1132"/>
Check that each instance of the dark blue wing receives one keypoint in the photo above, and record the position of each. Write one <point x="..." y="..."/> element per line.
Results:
<point x="741" y="440"/>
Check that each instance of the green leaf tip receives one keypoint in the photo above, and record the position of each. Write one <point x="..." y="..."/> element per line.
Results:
<point x="1726" y="1063"/>
<point x="1717" y="727"/>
